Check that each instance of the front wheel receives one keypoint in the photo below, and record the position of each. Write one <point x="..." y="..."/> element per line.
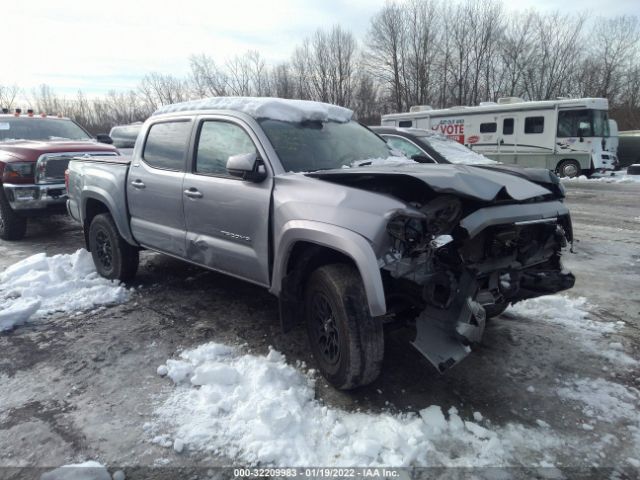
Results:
<point x="113" y="256"/>
<point x="12" y="226"/>
<point x="568" y="168"/>
<point x="346" y="342"/>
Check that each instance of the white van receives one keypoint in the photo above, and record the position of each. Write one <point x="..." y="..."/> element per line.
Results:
<point x="570" y="136"/>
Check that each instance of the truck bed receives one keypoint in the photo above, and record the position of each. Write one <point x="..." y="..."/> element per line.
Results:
<point x="102" y="179"/>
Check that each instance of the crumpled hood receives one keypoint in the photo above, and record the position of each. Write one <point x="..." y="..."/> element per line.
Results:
<point x="477" y="183"/>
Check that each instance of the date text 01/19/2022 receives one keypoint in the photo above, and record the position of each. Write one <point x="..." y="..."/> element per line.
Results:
<point x="316" y="472"/>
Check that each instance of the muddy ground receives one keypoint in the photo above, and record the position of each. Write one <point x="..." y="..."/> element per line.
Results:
<point x="73" y="389"/>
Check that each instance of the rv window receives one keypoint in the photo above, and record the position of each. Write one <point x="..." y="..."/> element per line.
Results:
<point x="534" y="125"/>
<point x="507" y="126"/>
<point x="488" y="127"/>
<point x="405" y="124"/>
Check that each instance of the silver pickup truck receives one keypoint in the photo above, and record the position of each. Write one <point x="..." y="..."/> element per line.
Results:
<point x="296" y="197"/>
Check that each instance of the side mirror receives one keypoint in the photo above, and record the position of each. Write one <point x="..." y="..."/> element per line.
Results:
<point x="422" y="159"/>
<point x="104" y="138"/>
<point x="581" y="134"/>
<point x="248" y="166"/>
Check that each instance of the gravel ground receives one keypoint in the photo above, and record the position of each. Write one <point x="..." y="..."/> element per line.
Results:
<point x="74" y="389"/>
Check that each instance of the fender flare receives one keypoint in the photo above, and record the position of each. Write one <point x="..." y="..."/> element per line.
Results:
<point x="104" y="197"/>
<point x="345" y="241"/>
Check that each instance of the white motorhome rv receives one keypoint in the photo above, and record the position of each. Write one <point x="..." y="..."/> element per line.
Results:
<point x="569" y="136"/>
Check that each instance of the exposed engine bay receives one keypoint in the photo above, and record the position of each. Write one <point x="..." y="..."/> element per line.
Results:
<point x="456" y="280"/>
<point x="470" y="242"/>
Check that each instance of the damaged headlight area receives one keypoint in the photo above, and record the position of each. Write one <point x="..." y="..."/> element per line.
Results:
<point x="451" y="282"/>
<point x="413" y="234"/>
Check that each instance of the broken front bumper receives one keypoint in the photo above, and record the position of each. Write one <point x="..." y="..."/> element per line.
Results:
<point x="508" y="253"/>
<point x="445" y="336"/>
<point x="35" y="197"/>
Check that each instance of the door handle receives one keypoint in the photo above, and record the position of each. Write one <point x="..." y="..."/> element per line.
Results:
<point x="138" y="184"/>
<point x="193" y="193"/>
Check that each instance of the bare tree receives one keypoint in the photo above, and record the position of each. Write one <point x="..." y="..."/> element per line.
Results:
<point x="8" y="96"/>
<point x="207" y="79"/>
<point x="157" y="89"/>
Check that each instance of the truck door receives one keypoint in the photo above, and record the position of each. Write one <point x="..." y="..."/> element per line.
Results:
<point x="507" y="142"/>
<point x="227" y="218"/>
<point x="154" y="187"/>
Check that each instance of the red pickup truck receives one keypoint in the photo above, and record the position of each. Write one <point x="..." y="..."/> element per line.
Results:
<point x="34" y="153"/>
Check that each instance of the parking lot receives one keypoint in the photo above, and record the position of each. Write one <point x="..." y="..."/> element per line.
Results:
<point x="556" y="380"/>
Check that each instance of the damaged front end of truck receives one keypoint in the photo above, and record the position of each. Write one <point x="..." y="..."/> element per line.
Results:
<point x="465" y="247"/>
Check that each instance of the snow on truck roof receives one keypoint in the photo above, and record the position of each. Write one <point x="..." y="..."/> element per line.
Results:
<point x="266" y="107"/>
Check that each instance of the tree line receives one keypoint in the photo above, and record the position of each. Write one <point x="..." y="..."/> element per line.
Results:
<point x="419" y="52"/>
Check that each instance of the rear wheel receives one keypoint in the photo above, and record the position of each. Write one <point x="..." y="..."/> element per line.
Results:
<point x="12" y="226"/>
<point x="113" y="256"/>
<point x="346" y="342"/>
<point x="568" y="168"/>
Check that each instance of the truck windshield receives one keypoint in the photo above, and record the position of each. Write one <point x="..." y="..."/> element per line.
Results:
<point x="585" y="123"/>
<point x="27" y="128"/>
<point x="314" y="145"/>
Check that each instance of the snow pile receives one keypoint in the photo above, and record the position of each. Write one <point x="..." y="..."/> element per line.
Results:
<point x="90" y="470"/>
<point x="561" y="310"/>
<point x="267" y="107"/>
<point x="620" y="176"/>
<point x="573" y="313"/>
<point x="259" y="410"/>
<point x="39" y="286"/>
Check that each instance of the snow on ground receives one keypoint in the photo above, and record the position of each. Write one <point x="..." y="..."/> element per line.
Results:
<point x="267" y="107"/>
<point x="619" y="176"/>
<point x="39" y="286"/>
<point x="90" y="470"/>
<point x="260" y="410"/>
<point x="574" y="314"/>
<point x="603" y="400"/>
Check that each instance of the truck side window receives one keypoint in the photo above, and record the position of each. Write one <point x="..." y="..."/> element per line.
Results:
<point x="507" y="126"/>
<point x="488" y="127"/>
<point x="405" y="123"/>
<point x="534" y="125"/>
<point x="217" y="142"/>
<point x="166" y="145"/>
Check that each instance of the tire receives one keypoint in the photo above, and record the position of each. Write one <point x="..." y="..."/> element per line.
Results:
<point x="12" y="226"/>
<point x="348" y="346"/>
<point x="568" y="168"/>
<point x="496" y="309"/>
<point x="113" y="257"/>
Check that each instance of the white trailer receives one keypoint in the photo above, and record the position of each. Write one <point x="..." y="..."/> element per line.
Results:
<point x="569" y="136"/>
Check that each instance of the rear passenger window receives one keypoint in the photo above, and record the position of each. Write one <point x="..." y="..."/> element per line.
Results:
<point x="534" y="125"/>
<point x="217" y="142"/>
<point x="167" y="144"/>
<point x="488" y="127"/>
<point x="405" y="124"/>
<point x="507" y="126"/>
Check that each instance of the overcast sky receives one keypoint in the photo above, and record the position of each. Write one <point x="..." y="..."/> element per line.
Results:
<point x="97" y="46"/>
